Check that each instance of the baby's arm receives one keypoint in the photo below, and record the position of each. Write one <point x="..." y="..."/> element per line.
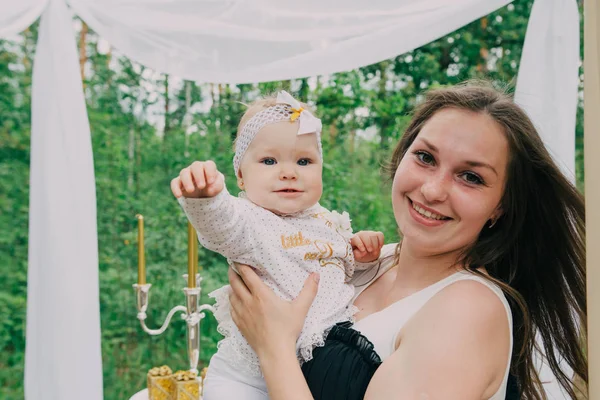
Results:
<point x="221" y="220"/>
<point x="367" y="245"/>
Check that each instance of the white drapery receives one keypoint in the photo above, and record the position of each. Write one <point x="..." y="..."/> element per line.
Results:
<point x="217" y="41"/>
<point x="547" y="84"/>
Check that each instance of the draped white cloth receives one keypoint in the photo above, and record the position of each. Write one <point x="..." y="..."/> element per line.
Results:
<point x="255" y="41"/>
<point x="231" y="41"/>
<point x="547" y="85"/>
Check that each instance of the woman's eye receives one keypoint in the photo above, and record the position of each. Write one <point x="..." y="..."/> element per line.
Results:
<point x="269" y="161"/>
<point x="303" y="161"/>
<point x="472" y="178"/>
<point x="425" y="157"/>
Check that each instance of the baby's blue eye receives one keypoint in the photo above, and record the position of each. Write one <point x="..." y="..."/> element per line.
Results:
<point x="303" y="162"/>
<point x="269" y="161"/>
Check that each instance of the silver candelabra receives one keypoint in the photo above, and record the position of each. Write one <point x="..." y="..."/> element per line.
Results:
<point x="192" y="312"/>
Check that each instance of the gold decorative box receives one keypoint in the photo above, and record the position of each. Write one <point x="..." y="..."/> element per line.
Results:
<point x="160" y="383"/>
<point x="187" y="386"/>
<point x="163" y="384"/>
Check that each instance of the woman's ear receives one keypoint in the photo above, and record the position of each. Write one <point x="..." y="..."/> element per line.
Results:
<point x="498" y="213"/>
<point x="495" y="216"/>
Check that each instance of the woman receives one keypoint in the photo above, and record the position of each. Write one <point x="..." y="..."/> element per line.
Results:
<point x="492" y="250"/>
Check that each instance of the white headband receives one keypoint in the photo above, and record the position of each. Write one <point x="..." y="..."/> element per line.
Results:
<point x="286" y="109"/>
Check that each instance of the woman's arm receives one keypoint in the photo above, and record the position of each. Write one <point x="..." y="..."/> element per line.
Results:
<point x="455" y="348"/>
<point x="272" y="326"/>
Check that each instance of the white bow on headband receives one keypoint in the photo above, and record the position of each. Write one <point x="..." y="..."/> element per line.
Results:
<point x="308" y="122"/>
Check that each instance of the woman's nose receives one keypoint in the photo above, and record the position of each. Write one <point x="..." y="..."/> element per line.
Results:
<point x="435" y="190"/>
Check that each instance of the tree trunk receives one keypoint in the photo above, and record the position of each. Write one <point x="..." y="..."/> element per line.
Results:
<point x="108" y="57"/>
<point x="25" y="60"/>
<point x="382" y="94"/>
<point x="304" y="89"/>
<point x="82" y="52"/>
<point x="187" y="117"/>
<point x="131" y="155"/>
<point x="166" y="98"/>
<point x="138" y="161"/>
<point x="483" y="51"/>
<point x="333" y="131"/>
<point x="212" y="95"/>
<point x="351" y="141"/>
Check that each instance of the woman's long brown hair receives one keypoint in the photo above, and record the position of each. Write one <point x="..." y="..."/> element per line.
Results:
<point x="536" y="250"/>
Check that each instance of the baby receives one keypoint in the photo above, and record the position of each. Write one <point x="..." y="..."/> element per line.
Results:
<point x="277" y="226"/>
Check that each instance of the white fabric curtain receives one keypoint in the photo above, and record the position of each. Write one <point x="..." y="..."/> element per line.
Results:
<point x="547" y="85"/>
<point x="231" y="41"/>
<point x="17" y="16"/>
<point x="63" y="353"/>
<point x="256" y="41"/>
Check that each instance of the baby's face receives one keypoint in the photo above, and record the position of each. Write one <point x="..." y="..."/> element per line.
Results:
<point x="282" y="171"/>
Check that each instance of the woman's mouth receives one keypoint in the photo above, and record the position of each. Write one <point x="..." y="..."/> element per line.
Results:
<point x="427" y="213"/>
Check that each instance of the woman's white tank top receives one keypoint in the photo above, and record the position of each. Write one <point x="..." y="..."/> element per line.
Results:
<point x="383" y="327"/>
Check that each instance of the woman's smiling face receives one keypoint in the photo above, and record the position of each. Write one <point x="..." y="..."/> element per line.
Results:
<point x="450" y="181"/>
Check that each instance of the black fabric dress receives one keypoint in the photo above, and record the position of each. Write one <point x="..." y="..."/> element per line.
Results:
<point x="343" y="368"/>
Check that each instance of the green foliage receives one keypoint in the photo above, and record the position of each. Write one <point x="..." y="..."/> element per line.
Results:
<point x="364" y="113"/>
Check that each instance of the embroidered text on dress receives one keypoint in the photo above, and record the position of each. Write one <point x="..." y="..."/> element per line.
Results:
<point x="294" y="240"/>
<point x="324" y="250"/>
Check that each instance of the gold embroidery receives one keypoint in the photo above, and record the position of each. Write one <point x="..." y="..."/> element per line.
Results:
<point x="323" y="216"/>
<point x="325" y="250"/>
<point x="295" y="240"/>
<point x="336" y="262"/>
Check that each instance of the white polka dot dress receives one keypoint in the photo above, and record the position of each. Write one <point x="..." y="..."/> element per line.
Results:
<point x="284" y="250"/>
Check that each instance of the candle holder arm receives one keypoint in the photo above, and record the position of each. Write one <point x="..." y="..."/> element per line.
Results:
<point x="142" y="292"/>
<point x="142" y="316"/>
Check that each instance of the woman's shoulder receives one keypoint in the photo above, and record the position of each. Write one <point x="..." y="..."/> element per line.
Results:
<point x="468" y="307"/>
<point x="461" y="331"/>
<point x="466" y="286"/>
<point x="472" y="296"/>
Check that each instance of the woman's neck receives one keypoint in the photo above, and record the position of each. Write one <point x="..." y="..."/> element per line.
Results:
<point x="417" y="270"/>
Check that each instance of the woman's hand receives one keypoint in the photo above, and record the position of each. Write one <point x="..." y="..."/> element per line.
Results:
<point x="270" y="325"/>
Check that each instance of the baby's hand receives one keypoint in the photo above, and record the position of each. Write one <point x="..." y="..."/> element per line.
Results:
<point x="367" y="245"/>
<point x="201" y="179"/>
